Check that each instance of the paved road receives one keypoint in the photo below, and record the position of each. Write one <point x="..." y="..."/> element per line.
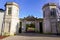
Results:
<point x="32" y="36"/>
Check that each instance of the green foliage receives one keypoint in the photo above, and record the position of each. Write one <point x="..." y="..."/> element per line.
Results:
<point x="30" y="25"/>
<point x="6" y="34"/>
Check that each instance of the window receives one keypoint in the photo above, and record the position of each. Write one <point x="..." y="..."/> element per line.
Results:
<point x="43" y="13"/>
<point x="9" y="25"/>
<point x="9" y="11"/>
<point x="53" y="12"/>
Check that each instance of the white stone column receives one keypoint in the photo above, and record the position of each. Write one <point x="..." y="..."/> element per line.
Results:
<point x="37" y="26"/>
<point x="23" y="26"/>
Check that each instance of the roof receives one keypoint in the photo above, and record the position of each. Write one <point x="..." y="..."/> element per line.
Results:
<point x="49" y="4"/>
<point x="1" y="10"/>
<point x="31" y="18"/>
<point x="11" y="3"/>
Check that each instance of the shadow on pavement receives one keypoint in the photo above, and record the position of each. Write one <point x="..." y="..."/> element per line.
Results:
<point x="38" y="35"/>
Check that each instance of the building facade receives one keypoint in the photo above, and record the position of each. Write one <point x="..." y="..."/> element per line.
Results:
<point x="1" y="19"/>
<point x="10" y="20"/>
<point x="10" y="23"/>
<point x="51" y="17"/>
<point x="31" y="24"/>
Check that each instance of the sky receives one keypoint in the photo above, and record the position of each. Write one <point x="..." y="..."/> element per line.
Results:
<point x="29" y="7"/>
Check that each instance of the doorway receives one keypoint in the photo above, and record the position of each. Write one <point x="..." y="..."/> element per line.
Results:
<point x="20" y="29"/>
<point x="41" y="27"/>
<point x="30" y="28"/>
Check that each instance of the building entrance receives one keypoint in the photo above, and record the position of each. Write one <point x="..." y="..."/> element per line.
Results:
<point x="41" y="27"/>
<point x="20" y="29"/>
<point x="30" y="28"/>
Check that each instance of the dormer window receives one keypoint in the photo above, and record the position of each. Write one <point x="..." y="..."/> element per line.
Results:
<point x="9" y="10"/>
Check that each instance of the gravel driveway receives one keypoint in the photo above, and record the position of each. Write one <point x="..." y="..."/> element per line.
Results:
<point x="33" y="36"/>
